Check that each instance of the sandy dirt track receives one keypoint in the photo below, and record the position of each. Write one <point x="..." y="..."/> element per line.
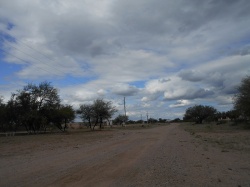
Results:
<point x="161" y="156"/>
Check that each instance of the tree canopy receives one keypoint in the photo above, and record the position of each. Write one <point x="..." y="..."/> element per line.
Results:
<point x="35" y="107"/>
<point x="121" y="119"/>
<point x="96" y="112"/>
<point x="242" y="98"/>
<point x="198" y="113"/>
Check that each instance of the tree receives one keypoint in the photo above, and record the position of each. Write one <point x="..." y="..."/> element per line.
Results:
<point x="35" y="107"/>
<point x="162" y="120"/>
<point x="221" y="115"/>
<point x="198" y="113"/>
<point x="22" y="111"/>
<point x="102" y="110"/>
<point x="63" y="115"/>
<point x="152" y="120"/>
<point x="3" y="119"/>
<point x="176" y="120"/>
<point x="120" y="119"/>
<point x="47" y="101"/>
<point x="233" y="114"/>
<point x="242" y="98"/>
<point x="97" y="112"/>
<point x="86" y="112"/>
<point x="140" y="121"/>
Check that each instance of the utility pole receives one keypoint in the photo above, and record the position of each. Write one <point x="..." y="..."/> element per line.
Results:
<point x="125" y="106"/>
<point x="124" y="103"/>
<point x="147" y="117"/>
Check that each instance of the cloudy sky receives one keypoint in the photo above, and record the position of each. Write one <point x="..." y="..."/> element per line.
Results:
<point x="162" y="55"/>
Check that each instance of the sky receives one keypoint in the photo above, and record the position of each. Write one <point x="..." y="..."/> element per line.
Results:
<point x="163" y="56"/>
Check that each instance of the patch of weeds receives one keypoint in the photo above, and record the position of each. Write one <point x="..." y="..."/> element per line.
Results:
<point x="226" y="136"/>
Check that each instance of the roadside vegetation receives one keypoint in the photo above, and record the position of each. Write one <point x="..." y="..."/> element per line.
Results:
<point x="227" y="136"/>
<point x="239" y="114"/>
<point x="38" y="109"/>
<point x="97" y="112"/>
<point x="35" y="109"/>
<point x="228" y="130"/>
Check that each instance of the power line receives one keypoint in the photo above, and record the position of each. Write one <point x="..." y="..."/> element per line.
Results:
<point x="42" y="61"/>
<point x="22" y="59"/>
<point x="63" y="72"/>
<point x="50" y="59"/>
<point x="25" y="61"/>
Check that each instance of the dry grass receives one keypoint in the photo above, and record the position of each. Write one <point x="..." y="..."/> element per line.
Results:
<point x="34" y="143"/>
<point x="73" y="137"/>
<point x="226" y="136"/>
<point x="139" y="126"/>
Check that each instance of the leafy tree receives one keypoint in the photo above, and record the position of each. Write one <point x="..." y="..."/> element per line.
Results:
<point x="242" y="98"/>
<point x="221" y="115"/>
<point x="3" y="119"/>
<point x="36" y="106"/>
<point x="152" y="120"/>
<point x="233" y="114"/>
<point x="22" y="110"/>
<point x="67" y="114"/>
<point x="102" y="110"/>
<point x="120" y="119"/>
<point x="162" y="120"/>
<point x="46" y="100"/>
<point x="139" y="121"/>
<point x="62" y="115"/>
<point x="97" y="112"/>
<point x="131" y="122"/>
<point x="176" y="120"/>
<point x="86" y="112"/>
<point x="199" y="113"/>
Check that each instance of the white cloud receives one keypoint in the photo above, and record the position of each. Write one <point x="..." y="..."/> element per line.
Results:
<point x="129" y="66"/>
<point x="101" y="92"/>
<point x="124" y="89"/>
<point x="180" y="103"/>
<point x="183" y="52"/>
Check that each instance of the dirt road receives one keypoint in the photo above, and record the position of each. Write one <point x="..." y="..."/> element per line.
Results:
<point x="161" y="156"/>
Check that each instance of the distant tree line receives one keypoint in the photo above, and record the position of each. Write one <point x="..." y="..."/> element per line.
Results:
<point x="241" y="110"/>
<point x="122" y="119"/>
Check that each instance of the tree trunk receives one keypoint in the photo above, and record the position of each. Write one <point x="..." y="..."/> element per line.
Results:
<point x="65" y="125"/>
<point x="90" y="123"/>
<point x="101" y="123"/>
<point x="95" y="124"/>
